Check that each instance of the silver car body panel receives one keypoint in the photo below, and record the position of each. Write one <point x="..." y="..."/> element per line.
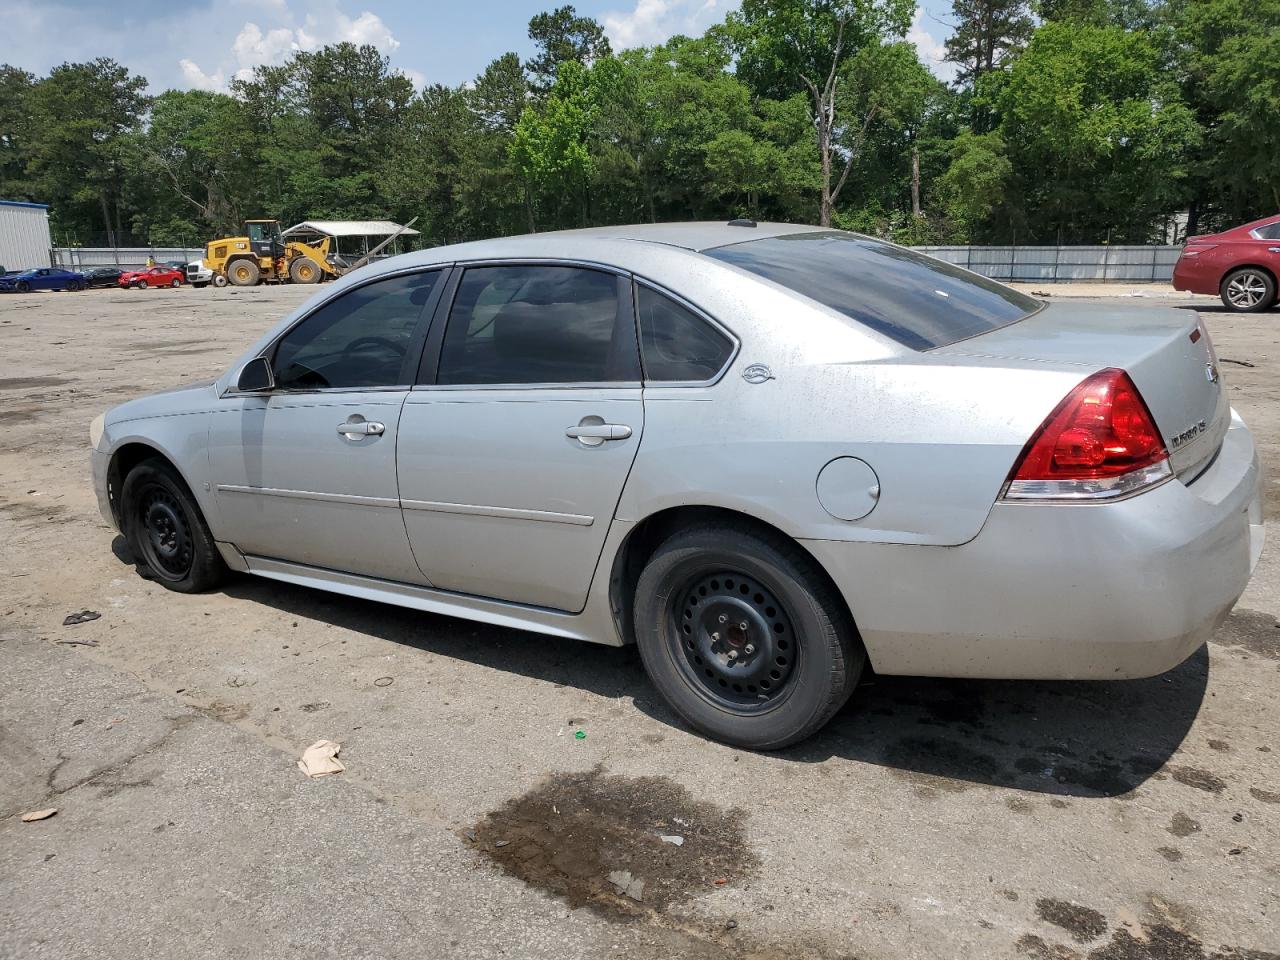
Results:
<point x="474" y="502"/>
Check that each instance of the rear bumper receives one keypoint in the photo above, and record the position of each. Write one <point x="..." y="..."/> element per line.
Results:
<point x="1071" y="591"/>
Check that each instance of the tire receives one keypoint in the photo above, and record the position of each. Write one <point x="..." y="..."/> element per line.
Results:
<point x="167" y="534"/>
<point x="23" y="286"/>
<point x="764" y="687"/>
<point x="1247" y="290"/>
<point x="219" y="280"/>
<point x="142" y="285"/>
<point x="243" y="273"/>
<point x="176" y="284"/>
<point x="303" y="270"/>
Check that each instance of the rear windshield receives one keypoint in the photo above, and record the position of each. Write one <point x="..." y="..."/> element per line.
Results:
<point x="918" y="301"/>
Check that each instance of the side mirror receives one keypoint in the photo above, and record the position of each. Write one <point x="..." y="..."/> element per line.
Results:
<point x="256" y="376"/>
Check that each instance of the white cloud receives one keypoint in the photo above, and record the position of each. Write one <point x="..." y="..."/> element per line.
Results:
<point x="195" y="77"/>
<point x="931" y="50"/>
<point x="334" y="26"/>
<point x="255" y="46"/>
<point x="656" y="21"/>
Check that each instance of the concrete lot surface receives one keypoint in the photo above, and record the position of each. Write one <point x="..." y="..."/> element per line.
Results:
<point x="1051" y="821"/>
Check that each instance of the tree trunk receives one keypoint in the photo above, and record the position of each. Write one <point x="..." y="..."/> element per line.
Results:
<point x="106" y="219"/>
<point x="915" y="181"/>
<point x="1193" y="218"/>
<point x="824" y="152"/>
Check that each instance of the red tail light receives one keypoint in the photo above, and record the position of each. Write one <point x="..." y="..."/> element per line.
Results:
<point x="1099" y="442"/>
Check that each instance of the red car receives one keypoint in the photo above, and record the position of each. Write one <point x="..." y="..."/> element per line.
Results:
<point x="158" y="276"/>
<point x="1241" y="265"/>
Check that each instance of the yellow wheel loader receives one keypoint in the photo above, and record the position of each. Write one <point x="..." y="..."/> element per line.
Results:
<point x="263" y="255"/>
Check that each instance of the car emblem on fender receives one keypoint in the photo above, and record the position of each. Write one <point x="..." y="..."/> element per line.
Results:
<point x="1211" y="373"/>
<point x="757" y="373"/>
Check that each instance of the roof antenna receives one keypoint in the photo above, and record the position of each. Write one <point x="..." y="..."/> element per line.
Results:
<point x="742" y="222"/>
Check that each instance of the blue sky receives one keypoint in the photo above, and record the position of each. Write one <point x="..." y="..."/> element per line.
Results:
<point x="205" y="43"/>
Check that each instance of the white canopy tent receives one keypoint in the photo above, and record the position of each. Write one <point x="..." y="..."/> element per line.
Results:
<point x="360" y="236"/>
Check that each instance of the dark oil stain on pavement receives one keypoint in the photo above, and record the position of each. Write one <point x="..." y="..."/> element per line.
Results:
<point x="1200" y="779"/>
<point x="1153" y="942"/>
<point x="1183" y="826"/>
<point x="1251" y="630"/>
<point x="1266" y="796"/>
<point x="1083" y="923"/>
<point x="568" y="834"/>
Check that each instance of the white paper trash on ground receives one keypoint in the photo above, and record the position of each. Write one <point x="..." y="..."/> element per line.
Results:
<point x="321" y="759"/>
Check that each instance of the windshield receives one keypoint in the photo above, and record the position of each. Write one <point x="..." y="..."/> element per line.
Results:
<point x="916" y="300"/>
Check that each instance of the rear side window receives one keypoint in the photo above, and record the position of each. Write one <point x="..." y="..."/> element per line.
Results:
<point x="916" y="300"/>
<point x="1270" y="231"/>
<point x="676" y="344"/>
<point x="361" y="339"/>
<point x="535" y="325"/>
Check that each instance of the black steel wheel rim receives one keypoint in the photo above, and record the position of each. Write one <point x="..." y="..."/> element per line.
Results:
<point x="735" y="642"/>
<point x="166" y="535"/>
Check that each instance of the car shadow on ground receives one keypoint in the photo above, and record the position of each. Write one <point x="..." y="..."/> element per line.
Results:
<point x="1081" y="738"/>
<point x="1086" y="739"/>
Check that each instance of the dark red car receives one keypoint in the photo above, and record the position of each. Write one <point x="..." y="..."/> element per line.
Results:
<point x="1241" y="265"/>
<point x="158" y="276"/>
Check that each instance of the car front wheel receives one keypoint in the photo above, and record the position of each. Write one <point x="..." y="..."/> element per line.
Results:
<point x="744" y="637"/>
<point x="166" y="531"/>
<point x="176" y="284"/>
<point x="1247" y="290"/>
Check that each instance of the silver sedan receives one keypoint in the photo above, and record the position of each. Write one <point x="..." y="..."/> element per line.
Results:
<point x="770" y="456"/>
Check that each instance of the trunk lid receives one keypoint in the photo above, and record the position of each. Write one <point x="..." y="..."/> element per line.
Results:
<point x="1167" y="353"/>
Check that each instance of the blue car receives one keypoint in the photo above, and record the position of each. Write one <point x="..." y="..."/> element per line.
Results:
<point x="42" y="278"/>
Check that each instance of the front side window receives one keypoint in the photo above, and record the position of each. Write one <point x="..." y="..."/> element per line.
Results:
<point x="916" y="300"/>
<point x="676" y="344"/>
<point x="361" y="339"/>
<point x="537" y="324"/>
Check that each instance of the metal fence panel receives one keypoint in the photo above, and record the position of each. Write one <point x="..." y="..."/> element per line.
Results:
<point x="1044" y="264"/>
<point x="1037" y="264"/>
<point x="76" y="257"/>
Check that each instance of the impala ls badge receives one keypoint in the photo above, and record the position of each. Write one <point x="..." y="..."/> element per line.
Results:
<point x="757" y="373"/>
<point x="1211" y="373"/>
<point x="1189" y="434"/>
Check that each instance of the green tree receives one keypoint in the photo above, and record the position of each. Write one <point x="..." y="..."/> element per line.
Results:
<point x="1230" y="51"/>
<point x="550" y="145"/>
<point x="562" y="36"/>
<point x="198" y="149"/>
<point x="79" y="148"/>
<point x="1097" y="134"/>
<point x="986" y="33"/>
<point x="788" y="46"/>
<point x="15" y="131"/>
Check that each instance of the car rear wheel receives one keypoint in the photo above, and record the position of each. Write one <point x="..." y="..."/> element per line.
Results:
<point x="1247" y="290"/>
<point x="243" y="273"/>
<point x="744" y="637"/>
<point x="166" y="531"/>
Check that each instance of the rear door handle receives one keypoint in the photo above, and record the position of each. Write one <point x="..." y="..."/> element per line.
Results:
<point x="594" y="434"/>
<point x="361" y="428"/>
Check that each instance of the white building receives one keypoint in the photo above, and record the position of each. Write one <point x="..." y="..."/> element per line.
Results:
<point x="24" y="235"/>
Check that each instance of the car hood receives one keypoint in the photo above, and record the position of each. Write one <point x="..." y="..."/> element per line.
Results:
<point x="176" y="401"/>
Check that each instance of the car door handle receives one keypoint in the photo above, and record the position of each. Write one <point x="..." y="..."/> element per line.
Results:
<point x="599" y="431"/>
<point x="1273" y="249"/>
<point x="361" y="428"/>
